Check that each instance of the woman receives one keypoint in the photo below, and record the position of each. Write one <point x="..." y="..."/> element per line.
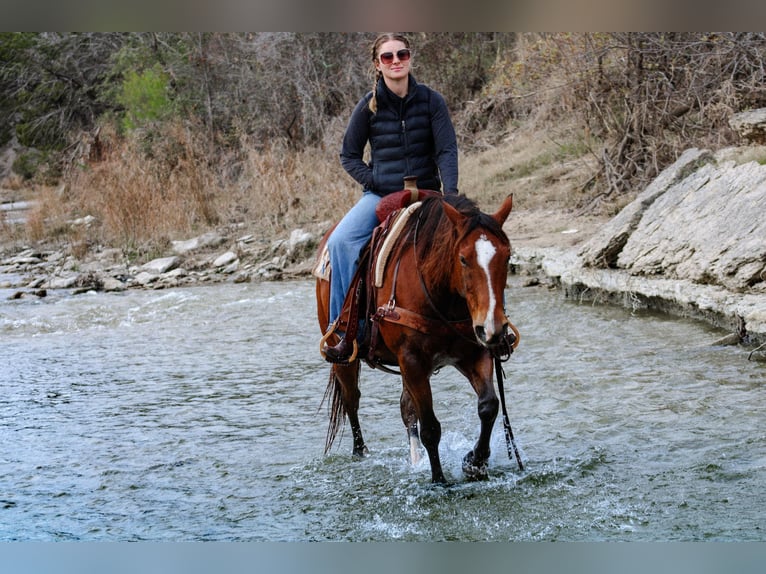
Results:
<point x="410" y="133"/>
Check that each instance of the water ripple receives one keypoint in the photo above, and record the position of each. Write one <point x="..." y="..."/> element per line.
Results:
<point x="193" y="414"/>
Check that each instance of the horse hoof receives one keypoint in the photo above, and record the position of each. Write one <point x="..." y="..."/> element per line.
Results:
<point x="474" y="470"/>
<point x="361" y="453"/>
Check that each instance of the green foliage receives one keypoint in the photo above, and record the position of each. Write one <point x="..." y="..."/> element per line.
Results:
<point x="26" y="164"/>
<point x="144" y="97"/>
<point x="38" y="165"/>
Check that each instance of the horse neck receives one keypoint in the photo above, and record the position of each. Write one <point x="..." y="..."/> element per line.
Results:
<point x="435" y="271"/>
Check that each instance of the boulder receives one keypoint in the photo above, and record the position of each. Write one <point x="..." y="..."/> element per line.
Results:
<point x="161" y="265"/>
<point x="709" y="229"/>
<point x="700" y="220"/>
<point x="750" y="125"/>
<point x="603" y="249"/>
<point x="211" y="239"/>
<point x="225" y="259"/>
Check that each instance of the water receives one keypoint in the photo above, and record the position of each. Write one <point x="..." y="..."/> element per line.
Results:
<point x="193" y="414"/>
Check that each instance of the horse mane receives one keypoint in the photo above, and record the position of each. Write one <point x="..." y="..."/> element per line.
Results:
<point x="437" y="237"/>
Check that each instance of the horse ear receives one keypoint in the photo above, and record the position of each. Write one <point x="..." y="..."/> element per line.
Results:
<point x="502" y="214"/>
<point x="453" y="214"/>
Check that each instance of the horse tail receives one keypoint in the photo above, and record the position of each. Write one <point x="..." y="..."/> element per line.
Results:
<point x="336" y="410"/>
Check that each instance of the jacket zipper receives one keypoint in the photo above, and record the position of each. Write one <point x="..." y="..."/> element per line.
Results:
<point x="406" y="148"/>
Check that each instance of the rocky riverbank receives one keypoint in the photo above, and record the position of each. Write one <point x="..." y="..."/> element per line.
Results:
<point x="693" y="244"/>
<point x="210" y="258"/>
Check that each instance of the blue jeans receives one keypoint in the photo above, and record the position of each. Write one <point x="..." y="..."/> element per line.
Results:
<point x="345" y="244"/>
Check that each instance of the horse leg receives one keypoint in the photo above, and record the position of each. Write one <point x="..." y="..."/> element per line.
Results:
<point x="418" y="386"/>
<point x="343" y="388"/>
<point x="344" y="380"/>
<point x="410" y="419"/>
<point x="480" y="376"/>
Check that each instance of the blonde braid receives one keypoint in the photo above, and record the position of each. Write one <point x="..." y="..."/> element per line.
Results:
<point x="373" y="105"/>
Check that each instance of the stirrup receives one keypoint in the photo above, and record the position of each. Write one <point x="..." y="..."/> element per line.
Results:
<point x="323" y="346"/>
<point x="341" y="359"/>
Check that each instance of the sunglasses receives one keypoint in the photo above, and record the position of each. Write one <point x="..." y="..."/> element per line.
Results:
<point x="387" y="58"/>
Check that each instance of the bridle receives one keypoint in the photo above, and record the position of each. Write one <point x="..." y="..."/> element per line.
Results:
<point x="501" y="350"/>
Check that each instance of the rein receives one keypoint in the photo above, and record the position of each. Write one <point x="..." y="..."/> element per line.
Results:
<point x="510" y="442"/>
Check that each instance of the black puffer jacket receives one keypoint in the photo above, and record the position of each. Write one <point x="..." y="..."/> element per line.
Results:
<point x="408" y="136"/>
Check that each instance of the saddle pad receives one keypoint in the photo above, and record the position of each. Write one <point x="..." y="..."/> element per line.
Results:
<point x="322" y="267"/>
<point x="388" y="243"/>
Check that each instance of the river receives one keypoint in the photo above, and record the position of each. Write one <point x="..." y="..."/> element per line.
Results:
<point x="194" y="414"/>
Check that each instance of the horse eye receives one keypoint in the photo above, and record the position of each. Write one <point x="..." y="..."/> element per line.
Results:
<point x="463" y="261"/>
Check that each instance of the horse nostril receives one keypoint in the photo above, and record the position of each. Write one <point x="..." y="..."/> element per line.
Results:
<point x="480" y="333"/>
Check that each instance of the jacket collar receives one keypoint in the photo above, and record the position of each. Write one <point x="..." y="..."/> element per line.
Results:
<point x="388" y="97"/>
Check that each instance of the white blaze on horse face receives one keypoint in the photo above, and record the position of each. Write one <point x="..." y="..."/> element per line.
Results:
<point x="485" y="251"/>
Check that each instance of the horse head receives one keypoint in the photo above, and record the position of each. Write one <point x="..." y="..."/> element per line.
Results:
<point x="480" y="269"/>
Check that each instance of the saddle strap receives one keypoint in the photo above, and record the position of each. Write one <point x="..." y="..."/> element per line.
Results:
<point x="421" y="323"/>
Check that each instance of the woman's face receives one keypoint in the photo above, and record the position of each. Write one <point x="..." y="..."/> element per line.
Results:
<point x="394" y="64"/>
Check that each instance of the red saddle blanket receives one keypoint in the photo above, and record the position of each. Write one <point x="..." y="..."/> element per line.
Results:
<point x="401" y="199"/>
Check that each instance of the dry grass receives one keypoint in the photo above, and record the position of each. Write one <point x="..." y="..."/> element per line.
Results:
<point x="281" y="189"/>
<point x="548" y="169"/>
<point x="143" y="192"/>
<point x="146" y="191"/>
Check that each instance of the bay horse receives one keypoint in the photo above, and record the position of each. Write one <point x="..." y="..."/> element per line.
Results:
<point x="440" y="302"/>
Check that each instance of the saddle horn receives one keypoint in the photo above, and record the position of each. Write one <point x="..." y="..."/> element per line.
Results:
<point x="411" y="185"/>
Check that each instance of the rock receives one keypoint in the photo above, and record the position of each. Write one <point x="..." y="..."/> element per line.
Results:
<point x="90" y="281"/>
<point x="705" y="229"/>
<point x="111" y="284"/>
<point x="176" y="273"/>
<point x="162" y="265"/>
<point x="695" y="222"/>
<point x="25" y="260"/>
<point x="603" y="249"/>
<point x="66" y="282"/>
<point x="231" y="267"/>
<point x="145" y="278"/>
<point x="299" y="237"/>
<point x="36" y="282"/>
<point x="751" y="125"/>
<point x="693" y="243"/>
<point x="86" y="221"/>
<point x="712" y="303"/>
<point x="22" y="294"/>
<point x="211" y="239"/>
<point x="225" y="259"/>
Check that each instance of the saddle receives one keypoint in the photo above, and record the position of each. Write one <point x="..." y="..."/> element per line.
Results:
<point x="392" y="211"/>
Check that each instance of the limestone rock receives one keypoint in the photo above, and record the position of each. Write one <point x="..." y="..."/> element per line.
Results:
<point x="211" y="239"/>
<point x="709" y="228"/>
<point x="751" y="125"/>
<point x="603" y="249"/>
<point x="161" y="265"/>
<point x="225" y="259"/>
<point x="701" y="220"/>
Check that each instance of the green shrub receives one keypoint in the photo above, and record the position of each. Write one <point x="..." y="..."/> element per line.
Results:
<point x="145" y="98"/>
<point x="27" y="163"/>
